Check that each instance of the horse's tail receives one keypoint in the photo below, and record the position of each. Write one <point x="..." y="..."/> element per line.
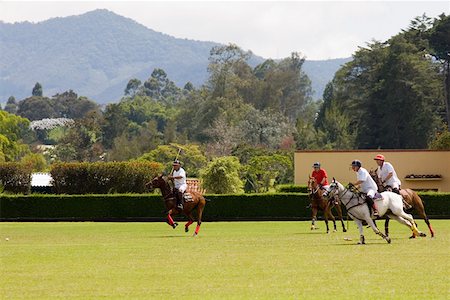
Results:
<point x="207" y="200"/>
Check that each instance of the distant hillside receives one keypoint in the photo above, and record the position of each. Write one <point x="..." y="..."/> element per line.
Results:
<point x="96" y="53"/>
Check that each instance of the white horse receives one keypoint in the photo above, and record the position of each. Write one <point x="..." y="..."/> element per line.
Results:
<point x="391" y="204"/>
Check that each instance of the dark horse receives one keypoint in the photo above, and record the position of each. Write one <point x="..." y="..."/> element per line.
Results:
<point x="198" y="202"/>
<point x="412" y="200"/>
<point x="318" y="202"/>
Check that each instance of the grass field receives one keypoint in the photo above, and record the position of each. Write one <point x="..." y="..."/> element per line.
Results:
<point x="239" y="260"/>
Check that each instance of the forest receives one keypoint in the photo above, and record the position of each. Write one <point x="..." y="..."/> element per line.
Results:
<point x="393" y="94"/>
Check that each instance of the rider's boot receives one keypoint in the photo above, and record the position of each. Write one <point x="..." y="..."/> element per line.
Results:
<point x="179" y="197"/>
<point x="375" y="210"/>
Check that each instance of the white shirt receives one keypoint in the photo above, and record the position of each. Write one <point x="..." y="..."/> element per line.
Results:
<point x="367" y="181"/>
<point x="384" y="171"/>
<point x="179" y="183"/>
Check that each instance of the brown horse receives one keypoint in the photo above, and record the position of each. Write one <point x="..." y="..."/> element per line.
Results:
<point x="319" y="203"/>
<point x="197" y="202"/>
<point x="411" y="198"/>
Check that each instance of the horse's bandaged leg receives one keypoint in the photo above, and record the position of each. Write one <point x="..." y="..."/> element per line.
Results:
<point x="170" y="220"/>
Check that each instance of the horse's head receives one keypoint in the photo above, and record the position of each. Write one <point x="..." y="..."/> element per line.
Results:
<point x="312" y="184"/>
<point x="334" y="188"/>
<point x="157" y="182"/>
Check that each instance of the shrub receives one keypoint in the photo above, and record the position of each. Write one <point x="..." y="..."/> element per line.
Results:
<point x="292" y="188"/>
<point x="103" y="178"/>
<point x="15" y="177"/>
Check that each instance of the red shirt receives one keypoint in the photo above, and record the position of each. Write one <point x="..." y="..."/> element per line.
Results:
<point x="319" y="176"/>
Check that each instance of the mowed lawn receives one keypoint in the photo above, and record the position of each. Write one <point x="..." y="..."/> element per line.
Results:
<point x="236" y="260"/>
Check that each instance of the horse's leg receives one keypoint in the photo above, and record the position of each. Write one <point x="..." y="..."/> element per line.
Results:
<point x="314" y="217"/>
<point x="403" y="221"/>
<point x="375" y="228"/>
<point x="339" y="212"/>
<point x="200" y="207"/>
<point x="191" y="220"/>
<point x="325" y="216"/>
<point x="362" y="240"/>
<point x="386" y="226"/>
<point x="418" y="206"/>
<point x="170" y="220"/>
<point x="400" y="213"/>
<point x="330" y="214"/>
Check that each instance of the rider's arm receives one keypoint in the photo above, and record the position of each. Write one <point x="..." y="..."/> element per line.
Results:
<point x="358" y="182"/>
<point x="388" y="177"/>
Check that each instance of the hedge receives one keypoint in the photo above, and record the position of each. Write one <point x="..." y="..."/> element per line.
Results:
<point x="103" y="177"/>
<point x="15" y="177"/>
<point x="291" y="188"/>
<point x="149" y="207"/>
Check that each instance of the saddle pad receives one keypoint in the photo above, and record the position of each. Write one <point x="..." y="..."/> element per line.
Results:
<point x="377" y="196"/>
<point x="187" y="197"/>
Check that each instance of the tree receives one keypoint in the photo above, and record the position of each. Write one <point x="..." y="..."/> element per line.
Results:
<point x="264" y="171"/>
<point x="11" y="105"/>
<point x="190" y="155"/>
<point x="12" y="130"/>
<point x="132" y="87"/>
<point x="391" y="94"/>
<point x="441" y="141"/>
<point x="440" y="43"/>
<point x="37" y="90"/>
<point x="221" y="176"/>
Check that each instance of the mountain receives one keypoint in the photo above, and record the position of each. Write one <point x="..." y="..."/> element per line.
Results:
<point x="97" y="53"/>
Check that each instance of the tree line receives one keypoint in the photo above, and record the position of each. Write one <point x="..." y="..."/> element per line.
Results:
<point x="392" y="94"/>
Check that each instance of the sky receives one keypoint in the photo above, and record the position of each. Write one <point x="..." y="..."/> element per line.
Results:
<point x="272" y="29"/>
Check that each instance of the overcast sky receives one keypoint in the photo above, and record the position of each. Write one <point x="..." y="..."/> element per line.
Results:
<point x="318" y="29"/>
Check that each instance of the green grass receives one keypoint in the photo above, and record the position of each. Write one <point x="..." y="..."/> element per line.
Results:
<point x="240" y="260"/>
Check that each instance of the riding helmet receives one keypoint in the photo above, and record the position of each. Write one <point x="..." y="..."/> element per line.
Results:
<point x="356" y="163"/>
<point x="379" y="157"/>
<point x="316" y="165"/>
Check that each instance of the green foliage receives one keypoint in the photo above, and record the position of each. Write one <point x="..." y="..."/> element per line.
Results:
<point x="65" y="105"/>
<point x="291" y="188"/>
<point x="82" y="141"/>
<point x="15" y="177"/>
<point x="370" y="91"/>
<point x="37" y="90"/>
<point x="258" y="207"/>
<point x="441" y="141"/>
<point x="103" y="178"/>
<point x="190" y="155"/>
<point x="12" y="129"/>
<point x="264" y="171"/>
<point x="11" y="105"/>
<point x="36" y="161"/>
<point x="222" y="176"/>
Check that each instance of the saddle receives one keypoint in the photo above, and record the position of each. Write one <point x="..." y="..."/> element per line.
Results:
<point x="187" y="197"/>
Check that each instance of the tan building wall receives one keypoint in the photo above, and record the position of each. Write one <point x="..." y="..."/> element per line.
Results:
<point x="405" y="162"/>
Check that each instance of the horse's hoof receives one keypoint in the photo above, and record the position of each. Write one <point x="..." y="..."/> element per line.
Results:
<point x="422" y="234"/>
<point x="412" y="237"/>
<point x="344" y="230"/>
<point x="334" y="230"/>
<point x="186" y="229"/>
<point x="195" y="234"/>
<point x="361" y="243"/>
<point x="388" y="239"/>
<point x="174" y="225"/>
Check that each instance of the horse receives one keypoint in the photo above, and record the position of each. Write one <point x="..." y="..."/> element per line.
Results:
<point x="390" y="204"/>
<point x="411" y="198"/>
<point x="319" y="203"/>
<point x="197" y="202"/>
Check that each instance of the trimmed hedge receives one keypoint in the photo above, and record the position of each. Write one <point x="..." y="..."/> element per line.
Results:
<point x="15" y="177"/>
<point x="103" y="177"/>
<point x="149" y="207"/>
<point x="291" y="188"/>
